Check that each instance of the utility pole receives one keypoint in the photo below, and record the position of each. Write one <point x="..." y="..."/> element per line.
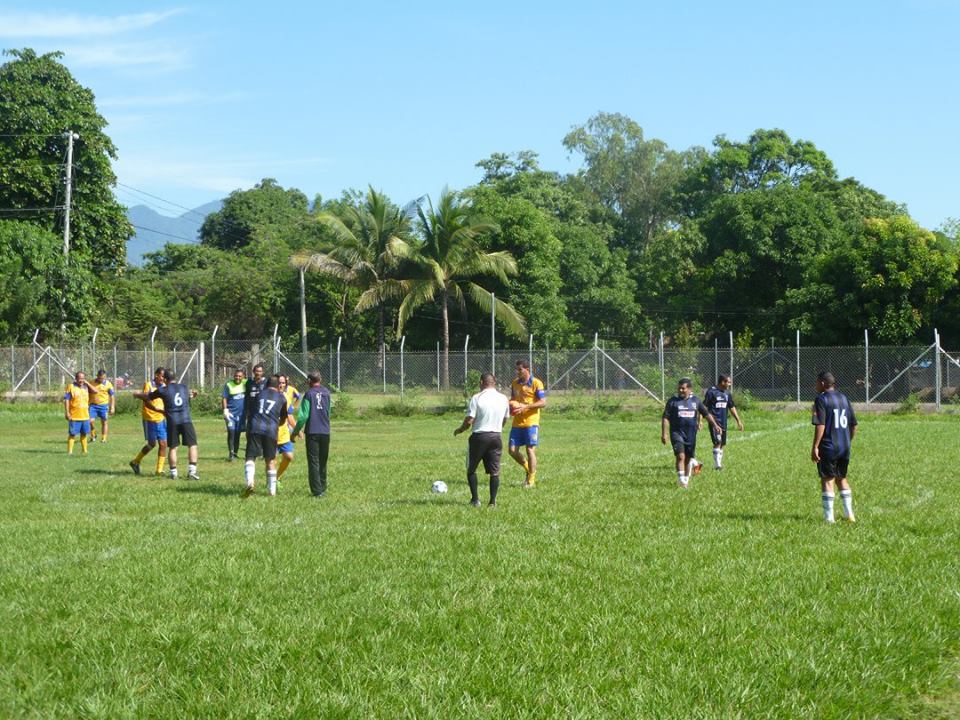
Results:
<point x="303" y="320"/>
<point x="71" y="136"/>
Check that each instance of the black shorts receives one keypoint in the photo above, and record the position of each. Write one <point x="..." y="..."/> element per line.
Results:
<point x="682" y="444"/>
<point x="721" y="440"/>
<point x="180" y="434"/>
<point x="486" y="446"/>
<point x="264" y="446"/>
<point x="835" y="468"/>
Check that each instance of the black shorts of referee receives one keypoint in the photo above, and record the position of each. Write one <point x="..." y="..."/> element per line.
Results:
<point x="485" y="446"/>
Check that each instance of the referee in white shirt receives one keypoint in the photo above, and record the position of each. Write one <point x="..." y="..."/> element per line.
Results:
<point x="487" y="412"/>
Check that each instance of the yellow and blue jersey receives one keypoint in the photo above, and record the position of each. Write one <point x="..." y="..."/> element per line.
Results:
<point x="527" y="393"/>
<point x="78" y="401"/>
<point x="148" y="414"/>
<point x="283" y="432"/>
<point x="101" y="393"/>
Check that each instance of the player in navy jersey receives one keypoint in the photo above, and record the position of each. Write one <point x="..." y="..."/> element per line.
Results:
<point x="719" y="402"/>
<point x="265" y="413"/>
<point x="681" y="418"/>
<point x="176" y="407"/>
<point x="834" y="427"/>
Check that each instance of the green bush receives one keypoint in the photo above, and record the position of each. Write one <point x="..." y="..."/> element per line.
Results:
<point x="909" y="406"/>
<point x="344" y="407"/>
<point x="400" y="407"/>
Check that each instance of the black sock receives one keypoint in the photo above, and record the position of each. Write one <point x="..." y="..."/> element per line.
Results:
<point x="230" y="434"/>
<point x="494" y="486"/>
<point x="472" y="481"/>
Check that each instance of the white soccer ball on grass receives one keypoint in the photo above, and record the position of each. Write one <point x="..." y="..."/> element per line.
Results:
<point x="439" y="486"/>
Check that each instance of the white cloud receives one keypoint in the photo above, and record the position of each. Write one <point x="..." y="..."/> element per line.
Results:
<point x="127" y="55"/>
<point x="172" y="100"/>
<point x="58" y="25"/>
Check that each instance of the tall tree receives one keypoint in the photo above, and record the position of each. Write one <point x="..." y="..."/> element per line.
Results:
<point x="267" y="211"/>
<point x="370" y="238"/>
<point x="449" y="260"/>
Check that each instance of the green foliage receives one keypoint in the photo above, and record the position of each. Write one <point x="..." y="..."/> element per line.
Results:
<point x="909" y="406"/>
<point x="400" y="407"/>
<point x="267" y="212"/>
<point x="472" y="384"/>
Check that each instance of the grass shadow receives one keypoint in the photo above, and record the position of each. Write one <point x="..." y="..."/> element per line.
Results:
<point x="108" y="473"/>
<point x="210" y="489"/>
<point x="762" y="517"/>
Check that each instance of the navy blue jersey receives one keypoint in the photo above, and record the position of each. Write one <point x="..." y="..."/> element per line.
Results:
<point x="718" y="402"/>
<point x="176" y="401"/>
<point x="682" y="415"/>
<point x="832" y="409"/>
<point x="267" y="411"/>
<point x="251" y="393"/>
<point x="315" y="411"/>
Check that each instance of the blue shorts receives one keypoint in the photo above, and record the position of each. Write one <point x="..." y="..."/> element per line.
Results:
<point x="99" y="411"/>
<point x="528" y="436"/>
<point x="79" y="427"/>
<point x="286" y="447"/>
<point x="154" y="431"/>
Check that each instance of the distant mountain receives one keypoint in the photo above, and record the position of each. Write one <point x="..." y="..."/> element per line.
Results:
<point x="154" y="230"/>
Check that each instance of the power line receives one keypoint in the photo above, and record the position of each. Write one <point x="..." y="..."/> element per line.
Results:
<point x="161" y="232"/>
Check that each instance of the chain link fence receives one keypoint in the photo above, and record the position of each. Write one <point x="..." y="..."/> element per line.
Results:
<point x="868" y="374"/>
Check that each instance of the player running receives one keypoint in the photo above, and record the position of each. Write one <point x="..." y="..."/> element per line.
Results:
<point x="233" y="401"/>
<point x="102" y="404"/>
<point x="679" y="423"/>
<point x="529" y="396"/>
<point x="154" y="425"/>
<point x="76" y="410"/>
<point x="266" y="414"/>
<point x="834" y="427"/>
<point x="719" y="401"/>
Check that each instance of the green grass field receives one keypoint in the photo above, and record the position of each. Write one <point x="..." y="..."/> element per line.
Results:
<point x="605" y="592"/>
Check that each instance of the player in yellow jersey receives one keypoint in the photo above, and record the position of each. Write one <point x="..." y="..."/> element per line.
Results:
<point x="284" y="441"/>
<point x="527" y="397"/>
<point x="76" y="409"/>
<point x="102" y="404"/>
<point x="154" y="425"/>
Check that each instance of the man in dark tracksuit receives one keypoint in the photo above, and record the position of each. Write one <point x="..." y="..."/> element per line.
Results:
<point x="314" y="420"/>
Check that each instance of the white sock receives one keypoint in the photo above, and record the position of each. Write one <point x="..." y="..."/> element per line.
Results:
<point x="192" y="468"/>
<point x="249" y="470"/>
<point x="721" y="458"/>
<point x="717" y="457"/>
<point x="173" y="473"/>
<point x="846" y="497"/>
<point x="681" y="478"/>
<point x="272" y="482"/>
<point x="691" y="465"/>
<point x="827" y="506"/>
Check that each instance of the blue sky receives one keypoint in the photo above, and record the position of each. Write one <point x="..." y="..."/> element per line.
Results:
<point x="205" y="98"/>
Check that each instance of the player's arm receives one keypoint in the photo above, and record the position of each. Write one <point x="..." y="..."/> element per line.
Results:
<point x="710" y="418"/>
<point x="467" y="422"/>
<point x="818" y="431"/>
<point x="664" y="429"/>
<point x="303" y="415"/>
<point x="736" y="416"/>
<point x="113" y="402"/>
<point x="541" y="401"/>
<point x="66" y="405"/>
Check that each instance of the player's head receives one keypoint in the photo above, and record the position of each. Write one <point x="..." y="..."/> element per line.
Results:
<point x="168" y="375"/>
<point x="724" y="381"/>
<point x="238" y="375"/>
<point x="258" y="372"/>
<point x="826" y="380"/>
<point x="487" y="380"/>
<point x="273" y="382"/>
<point x="314" y="378"/>
<point x="80" y="376"/>
<point x="282" y="380"/>
<point x="101" y="375"/>
<point x="684" y="387"/>
<point x="523" y="370"/>
<point x="158" y="374"/>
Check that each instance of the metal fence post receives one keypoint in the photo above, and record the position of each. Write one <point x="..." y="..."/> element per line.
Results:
<point x="115" y="373"/>
<point x="213" y="355"/>
<point x="493" y="334"/>
<point x="146" y="368"/>
<point x="466" y="365"/>
<point x="603" y="367"/>
<point x="937" y="372"/>
<point x="663" y="372"/>
<point x="330" y="374"/>
<point x="530" y="351"/>
<point x="153" y="353"/>
<point x="403" y="340"/>
<point x="866" y="365"/>
<point x="798" y="367"/>
<point x="93" y="348"/>
<point x="438" y="366"/>
<point x="716" y="358"/>
<point x="339" y="340"/>
<point x="547" y="346"/>
<point x="202" y="366"/>
<point x="596" y="367"/>
<point x="731" y="354"/>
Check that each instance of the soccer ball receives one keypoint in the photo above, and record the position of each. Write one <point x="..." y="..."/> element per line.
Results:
<point x="439" y="487"/>
<point x="516" y="407"/>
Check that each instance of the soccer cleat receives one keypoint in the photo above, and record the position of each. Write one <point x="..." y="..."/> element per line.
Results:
<point x="683" y="483"/>
<point x="247" y="491"/>
<point x="475" y="503"/>
<point x="491" y="505"/>
<point x="697" y="468"/>
<point x="193" y="476"/>
<point x="135" y="466"/>
<point x="850" y="519"/>
<point x="719" y="468"/>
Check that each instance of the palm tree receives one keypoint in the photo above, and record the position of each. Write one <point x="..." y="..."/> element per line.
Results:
<point x="369" y="241"/>
<point x="448" y="260"/>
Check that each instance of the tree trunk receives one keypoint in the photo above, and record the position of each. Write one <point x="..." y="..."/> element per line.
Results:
<point x="380" y="338"/>
<point x="446" y="340"/>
